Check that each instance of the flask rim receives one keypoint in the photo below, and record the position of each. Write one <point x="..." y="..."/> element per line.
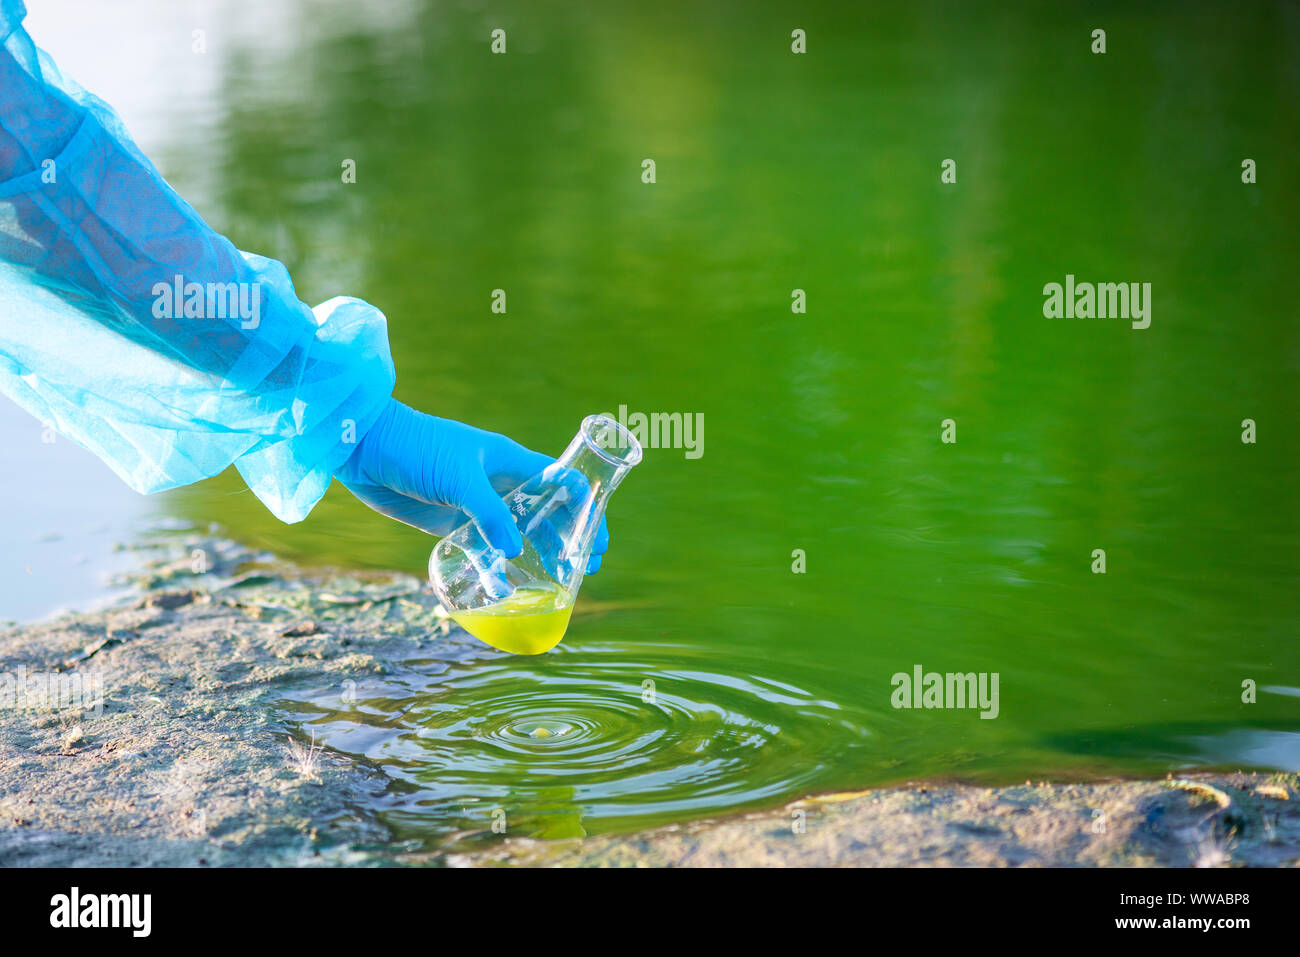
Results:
<point x="589" y="426"/>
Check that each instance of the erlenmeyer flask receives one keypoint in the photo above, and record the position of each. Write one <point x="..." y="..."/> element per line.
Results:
<point x="522" y="605"/>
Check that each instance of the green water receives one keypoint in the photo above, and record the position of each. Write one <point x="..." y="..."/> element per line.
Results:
<point x="818" y="172"/>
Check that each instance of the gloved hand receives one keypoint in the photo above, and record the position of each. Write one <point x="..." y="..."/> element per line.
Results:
<point x="435" y="473"/>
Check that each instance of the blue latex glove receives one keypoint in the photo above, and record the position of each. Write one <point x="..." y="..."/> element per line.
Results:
<point x="436" y="474"/>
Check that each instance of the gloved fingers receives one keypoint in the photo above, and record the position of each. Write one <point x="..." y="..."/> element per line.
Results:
<point x="570" y="508"/>
<point x="599" y="547"/>
<point x="434" y="519"/>
<point x="552" y="550"/>
<point x="505" y="482"/>
<point x="492" y="575"/>
<point x="549" y="546"/>
<point x="574" y="483"/>
<point x="509" y="464"/>
<point x="439" y="520"/>
<point x="491" y="516"/>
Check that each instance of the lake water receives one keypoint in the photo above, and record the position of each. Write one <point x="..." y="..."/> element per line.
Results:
<point x="826" y="538"/>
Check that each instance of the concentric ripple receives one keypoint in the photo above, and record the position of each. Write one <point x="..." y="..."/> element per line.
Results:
<point x="579" y="742"/>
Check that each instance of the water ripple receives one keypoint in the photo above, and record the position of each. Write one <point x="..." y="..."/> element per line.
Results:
<point x="571" y="743"/>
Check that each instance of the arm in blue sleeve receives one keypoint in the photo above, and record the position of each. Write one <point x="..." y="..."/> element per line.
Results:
<point x="142" y="334"/>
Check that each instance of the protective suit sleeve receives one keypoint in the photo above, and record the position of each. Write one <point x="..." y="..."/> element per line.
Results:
<point x="139" y="332"/>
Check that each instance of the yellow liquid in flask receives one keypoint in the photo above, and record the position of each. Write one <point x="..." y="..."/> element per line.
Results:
<point x="529" y="622"/>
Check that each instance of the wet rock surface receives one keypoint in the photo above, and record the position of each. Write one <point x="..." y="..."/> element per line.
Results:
<point x="1200" y="821"/>
<point x="187" y="759"/>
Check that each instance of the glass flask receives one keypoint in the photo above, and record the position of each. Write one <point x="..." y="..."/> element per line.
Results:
<point x="522" y="605"/>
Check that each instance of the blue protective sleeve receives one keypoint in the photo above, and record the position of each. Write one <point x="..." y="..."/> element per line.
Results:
<point x="165" y="388"/>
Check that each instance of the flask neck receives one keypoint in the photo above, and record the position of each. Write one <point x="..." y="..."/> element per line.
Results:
<point x="603" y="452"/>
